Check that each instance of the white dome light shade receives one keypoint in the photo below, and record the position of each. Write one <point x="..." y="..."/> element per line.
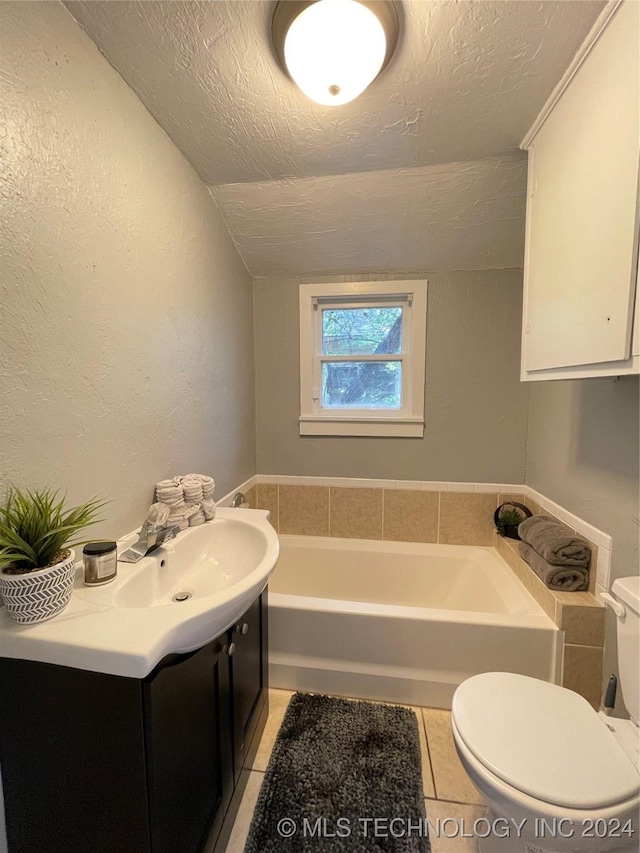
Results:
<point x="334" y="49"/>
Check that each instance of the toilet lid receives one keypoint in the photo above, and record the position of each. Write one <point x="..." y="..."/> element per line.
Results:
<point x="543" y="740"/>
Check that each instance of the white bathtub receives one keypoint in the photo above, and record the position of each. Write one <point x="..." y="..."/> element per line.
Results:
<point x="400" y="621"/>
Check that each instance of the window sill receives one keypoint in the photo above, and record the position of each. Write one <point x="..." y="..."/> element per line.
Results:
<point x="399" y="428"/>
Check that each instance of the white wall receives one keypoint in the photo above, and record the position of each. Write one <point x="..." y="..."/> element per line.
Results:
<point x="126" y="351"/>
<point x="475" y="406"/>
<point x="583" y="453"/>
<point x="126" y="328"/>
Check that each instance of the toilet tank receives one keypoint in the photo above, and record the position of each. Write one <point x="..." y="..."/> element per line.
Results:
<point x="627" y="592"/>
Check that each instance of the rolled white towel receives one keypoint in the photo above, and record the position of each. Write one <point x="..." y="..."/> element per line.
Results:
<point x="178" y="519"/>
<point x="191" y="509"/>
<point x="158" y="513"/>
<point x="209" y="508"/>
<point x="192" y="488"/>
<point x="178" y="513"/>
<point x="169" y="495"/>
<point x="197" y="518"/>
<point x="167" y="484"/>
<point x="208" y="485"/>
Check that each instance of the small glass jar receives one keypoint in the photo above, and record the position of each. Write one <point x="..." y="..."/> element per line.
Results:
<point x="100" y="561"/>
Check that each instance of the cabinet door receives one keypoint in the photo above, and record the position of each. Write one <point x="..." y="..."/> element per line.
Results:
<point x="73" y="763"/>
<point x="188" y="776"/>
<point x="248" y="673"/>
<point x="582" y="227"/>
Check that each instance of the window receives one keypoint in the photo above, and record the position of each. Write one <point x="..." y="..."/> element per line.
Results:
<point x="362" y="358"/>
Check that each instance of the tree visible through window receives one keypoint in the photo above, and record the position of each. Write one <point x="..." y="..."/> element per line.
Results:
<point x="362" y="331"/>
<point x="362" y="358"/>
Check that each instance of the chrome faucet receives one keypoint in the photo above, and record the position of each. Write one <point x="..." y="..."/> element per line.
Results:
<point x="151" y="536"/>
<point x="239" y="500"/>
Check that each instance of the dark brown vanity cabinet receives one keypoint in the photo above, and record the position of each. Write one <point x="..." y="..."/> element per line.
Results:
<point x="249" y="678"/>
<point x="187" y="712"/>
<point x="96" y="763"/>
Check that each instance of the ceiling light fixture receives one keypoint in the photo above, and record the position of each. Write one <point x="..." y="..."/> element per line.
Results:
<point x="333" y="49"/>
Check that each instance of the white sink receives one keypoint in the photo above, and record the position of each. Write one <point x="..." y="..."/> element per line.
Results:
<point x="214" y="559"/>
<point x="179" y="598"/>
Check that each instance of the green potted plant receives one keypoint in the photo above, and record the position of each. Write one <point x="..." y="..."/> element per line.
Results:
<point x="37" y="562"/>
<point x="508" y="516"/>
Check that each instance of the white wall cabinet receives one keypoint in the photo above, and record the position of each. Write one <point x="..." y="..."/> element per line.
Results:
<point x="581" y="257"/>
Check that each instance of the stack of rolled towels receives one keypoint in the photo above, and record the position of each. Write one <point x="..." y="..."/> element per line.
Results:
<point x="559" y="557"/>
<point x="188" y="498"/>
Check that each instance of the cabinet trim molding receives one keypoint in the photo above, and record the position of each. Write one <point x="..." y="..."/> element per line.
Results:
<point x="583" y="51"/>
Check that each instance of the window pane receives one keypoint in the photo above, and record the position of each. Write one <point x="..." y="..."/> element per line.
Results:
<point x="361" y="331"/>
<point x="362" y="384"/>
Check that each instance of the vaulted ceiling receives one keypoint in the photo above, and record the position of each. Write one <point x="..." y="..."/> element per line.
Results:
<point x="420" y="172"/>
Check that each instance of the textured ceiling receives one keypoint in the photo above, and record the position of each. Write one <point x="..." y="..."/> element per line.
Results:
<point x="465" y="84"/>
<point x="462" y="215"/>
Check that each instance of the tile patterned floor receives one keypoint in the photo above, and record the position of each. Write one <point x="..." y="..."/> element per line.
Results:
<point x="447" y="789"/>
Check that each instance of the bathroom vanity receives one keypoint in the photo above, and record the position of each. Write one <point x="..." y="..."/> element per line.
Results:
<point x="125" y="721"/>
<point x="100" y="763"/>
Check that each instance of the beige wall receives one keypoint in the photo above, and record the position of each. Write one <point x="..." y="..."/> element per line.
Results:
<point x="476" y="409"/>
<point x="583" y="453"/>
<point x="126" y="333"/>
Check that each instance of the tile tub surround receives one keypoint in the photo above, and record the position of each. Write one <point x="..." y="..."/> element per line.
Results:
<point x="581" y="619"/>
<point x="409" y="511"/>
<point x="452" y="513"/>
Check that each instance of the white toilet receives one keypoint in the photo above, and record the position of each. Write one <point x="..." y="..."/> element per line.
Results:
<point x="539" y="753"/>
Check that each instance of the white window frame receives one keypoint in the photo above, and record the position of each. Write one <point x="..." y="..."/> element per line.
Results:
<point x="407" y="421"/>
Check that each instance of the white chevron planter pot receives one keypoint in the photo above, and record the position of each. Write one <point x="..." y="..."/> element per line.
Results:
<point x="39" y="595"/>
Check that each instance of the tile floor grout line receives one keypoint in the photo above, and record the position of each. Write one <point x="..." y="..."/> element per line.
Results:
<point x="431" y="770"/>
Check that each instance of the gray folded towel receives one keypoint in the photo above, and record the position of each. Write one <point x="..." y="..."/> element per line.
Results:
<point x="557" y="544"/>
<point x="562" y="578"/>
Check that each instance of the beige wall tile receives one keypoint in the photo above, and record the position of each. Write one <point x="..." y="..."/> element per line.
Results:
<point x="577" y="599"/>
<point x="507" y="549"/>
<point x="582" y="625"/>
<point x="535" y="507"/>
<point x="304" y="510"/>
<point x="356" y="513"/>
<point x="251" y="496"/>
<point x="582" y="672"/>
<point x="410" y="516"/>
<point x="503" y="498"/>
<point x="450" y="777"/>
<point x="467" y="519"/>
<point x="267" y="498"/>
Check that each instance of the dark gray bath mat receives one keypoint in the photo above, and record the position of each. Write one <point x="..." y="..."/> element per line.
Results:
<point x="336" y="766"/>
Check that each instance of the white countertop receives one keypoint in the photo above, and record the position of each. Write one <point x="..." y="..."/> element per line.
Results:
<point x="130" y="641"/>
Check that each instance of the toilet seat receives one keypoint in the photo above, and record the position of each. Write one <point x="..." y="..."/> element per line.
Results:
<point x="543" y="740"/>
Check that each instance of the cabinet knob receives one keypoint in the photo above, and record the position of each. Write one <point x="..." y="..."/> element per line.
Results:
<point x="229" y="649"/>
<point x="242" y="629"/>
